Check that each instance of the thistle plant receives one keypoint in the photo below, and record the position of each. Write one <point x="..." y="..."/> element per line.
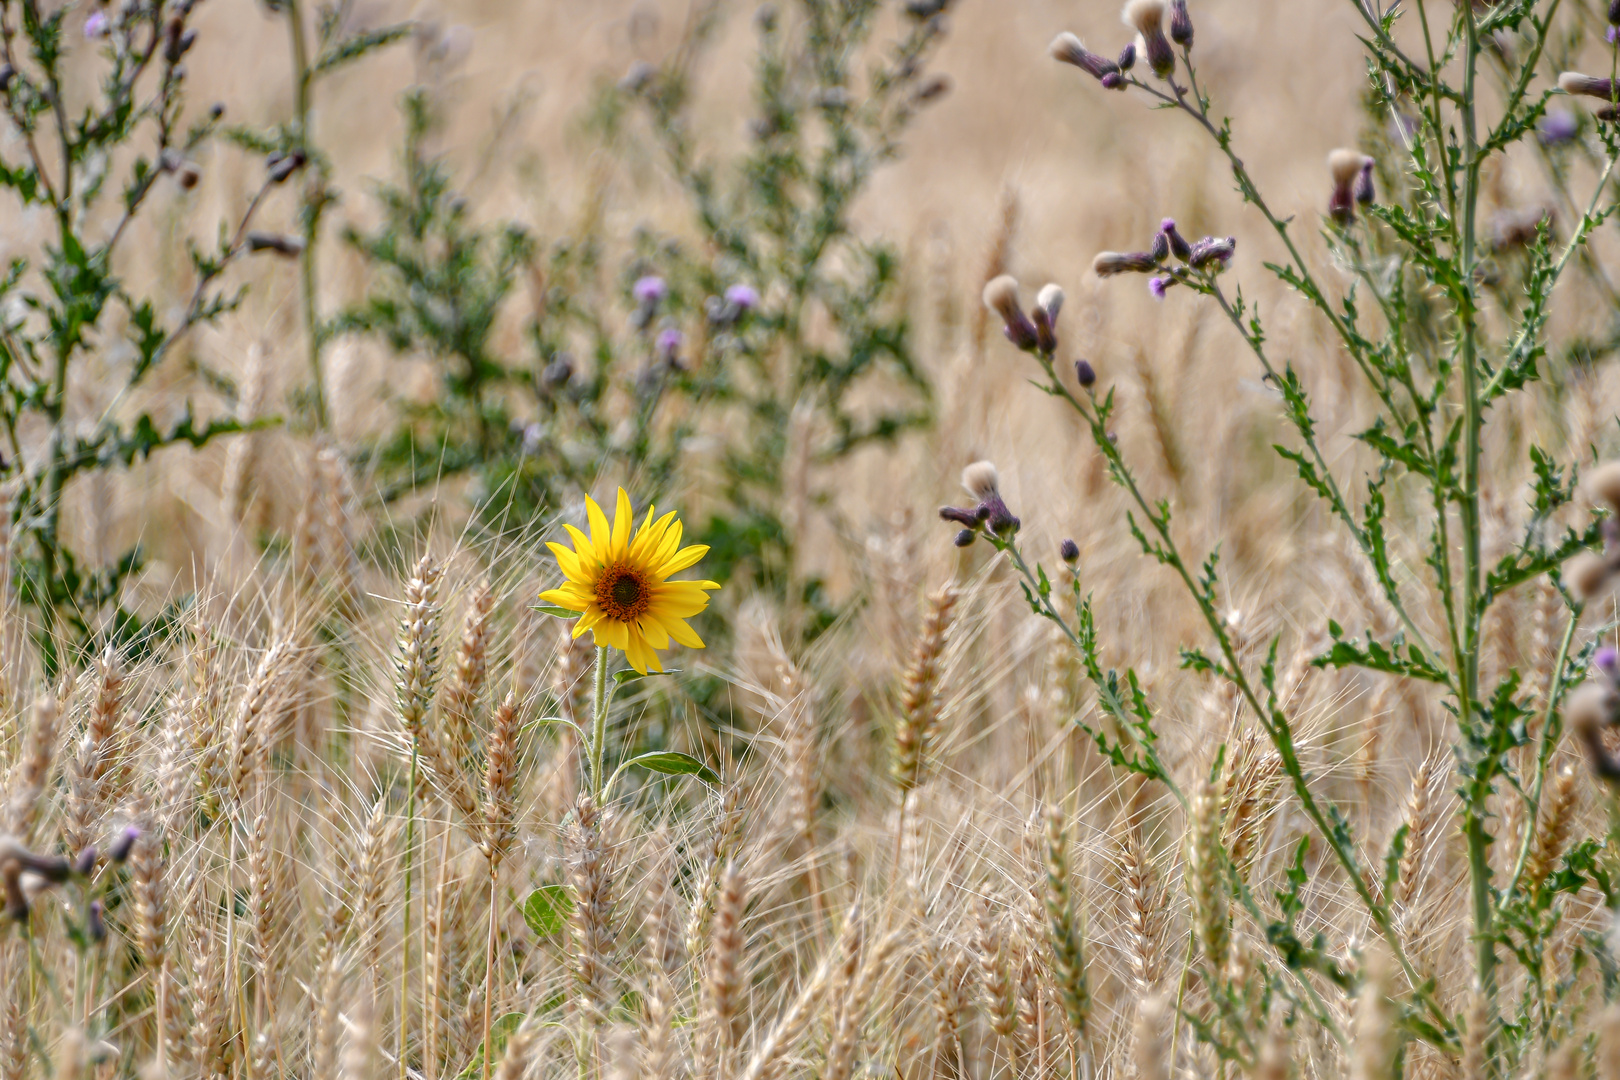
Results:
<point x="1442" y="331"/>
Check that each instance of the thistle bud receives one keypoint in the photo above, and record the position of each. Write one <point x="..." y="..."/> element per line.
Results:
<point x="1001" y="296"/>
<point x="187" y="174"/>
<point x="95" y="922"/>
<point x="275" y="243"/>
<point x="86" y="862"/>
<point x="1085" y="374"/>
<point x="1161" y="247"/>
<point x="1589" y="710"/>
<point x="1070" y="551"/>
<point x="1212" y="249"/>
<point x="1048" y="302"/>
<point x="1113" y="81"/>
<point x="1573" y="82"/>
<point x="1127" y="57"/>
<point x="280" y="166"/>
<point x="982" y="482"/>
<point x="1177" y="243"/>
<point x="123" y="844"/>
<point x="1146" y="17"/>
<point x="1364" y="184"/>
<point x="1109" y="263"/>
<point x="1067" y="49"/>
<point x="1181" y="27"/>
<point x="1586" y="574"/>
<point x="1344" y="166"/>
<point x="965" y="538"/>
<point x="1604" y="484"/>
<point x="1614" y="12"/>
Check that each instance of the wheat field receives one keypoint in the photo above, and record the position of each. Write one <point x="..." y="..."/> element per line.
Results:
<point x="1183" y="761"/>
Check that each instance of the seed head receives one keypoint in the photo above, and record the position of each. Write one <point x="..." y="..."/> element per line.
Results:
<point x="1048" y="302"/>
<point x="1001" y="296"/>
<point x="1109" y="263"/>
<point x="1146" y="17"/>
<point x="1587" y="573"/>
<point x="1604" y="483"/>
<point x="1573" y="82"/>
<point x="1067" y="49"/>
<point x="982" y="481"/>
<point x="1181" y="27"/>
<point x="1345" y="167"/>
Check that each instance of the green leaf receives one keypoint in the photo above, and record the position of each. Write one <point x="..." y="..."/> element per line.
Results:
<point x="631" y="675"/>
<point x="556" y="612"/>
<point x="546" y="909"/>
<point x="674" y="763"/>
<point x="500" y="1033"/>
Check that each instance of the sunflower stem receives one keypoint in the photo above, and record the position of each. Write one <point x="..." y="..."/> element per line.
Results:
<point x="599" y="723"/>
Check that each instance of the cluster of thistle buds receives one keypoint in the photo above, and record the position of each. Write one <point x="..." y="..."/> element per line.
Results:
<point x="1352" y="173"/>
<point x="989" y="512"/>
<point x="1147" y="18"/>
<point x="1578" y="85"/>
<point x="24" y="875"/>
<point x="1211" y="255"/>
<point x="1590" y="572"/>
<point x="1032" y="332"/>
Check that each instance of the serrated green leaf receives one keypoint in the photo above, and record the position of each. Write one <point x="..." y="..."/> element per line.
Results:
<point x="631" y="675"/>
<point x="674" y="763"/>
<point x="546" y="910"/>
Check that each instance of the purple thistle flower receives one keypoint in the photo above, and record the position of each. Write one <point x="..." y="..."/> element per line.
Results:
<point x="742" y="297"/>
<point x="1607" y="661"/>
<point x="1157" y="287"/>
<point x="649" y="290"/>
<point x="1557" y="127"/>
<point x="96" y="25"/>
<point x="669" y="344"/>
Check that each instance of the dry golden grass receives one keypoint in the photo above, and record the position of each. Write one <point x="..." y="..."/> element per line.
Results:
<point x="916" y="865"/>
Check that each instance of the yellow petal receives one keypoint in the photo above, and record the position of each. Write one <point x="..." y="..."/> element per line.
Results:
<point x="670" y="545"/>
<point x="679" y="599"/>
<point x="680" y="632"/>
<point x="565" y="599"/>
<point x="601" y="535"/>
<point x="588" y="557"/>
<point x="682" y="559"/>
<point x="652" y="539"/>
<point x="654" y="632"/>
<point x="623" y="519"/>
<point x="636" y="653"/>
<point x="612" y="633"/>
<point x="568" y="561"/>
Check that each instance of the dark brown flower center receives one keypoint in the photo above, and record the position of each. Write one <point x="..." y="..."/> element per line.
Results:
<point x="623" y="593"/>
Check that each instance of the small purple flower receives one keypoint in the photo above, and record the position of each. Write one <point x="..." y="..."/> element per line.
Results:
<point x="1557" y="127"/>
<point x="649" y="290"/>
<point x="96" y="25"/>
<point x="742" y="297"/>
<point x="669" y="345"/>
<point x="1607" y="661"/>
<point x="1612" y="34"/>
<point x="1157" y="287"/>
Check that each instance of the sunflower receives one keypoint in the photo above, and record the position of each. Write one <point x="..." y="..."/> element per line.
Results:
<point x="619" y="583"/>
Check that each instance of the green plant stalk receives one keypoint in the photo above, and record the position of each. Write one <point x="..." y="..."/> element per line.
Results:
<point x="1479" y="869"/>
<point x="1551" y="729"/>
<point x="1281" y="737"/>
<point x="303" y="83"/>
<point x="599" y="722"/>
